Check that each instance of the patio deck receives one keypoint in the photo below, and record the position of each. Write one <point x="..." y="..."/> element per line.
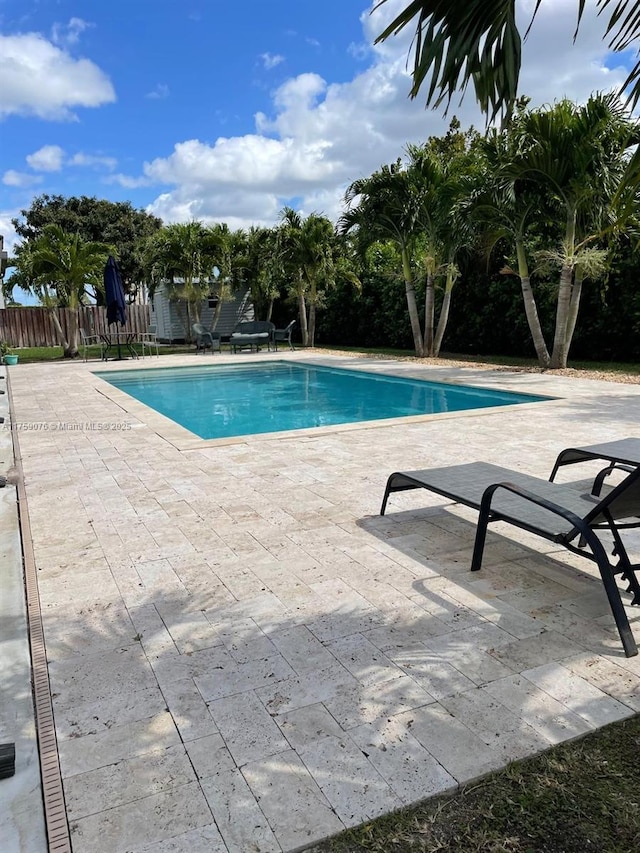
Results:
<point x="245" y="657"/>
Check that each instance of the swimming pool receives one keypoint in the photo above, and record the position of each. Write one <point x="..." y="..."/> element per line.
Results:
<point x="235" y="400"/>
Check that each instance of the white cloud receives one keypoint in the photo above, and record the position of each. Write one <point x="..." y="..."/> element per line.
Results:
<point x="319" y="136"/>
<point x="128" y="181"/>
<point x="7" y="230"/>
<point x="160" y="92"/>
<point x="40" y="79"/>
<point x="270" y="60"/>
<point x="11" y="178"/>
<point x="93" y="161"/>
<point x="49" y="158"/>
<point x="68" y="34"/>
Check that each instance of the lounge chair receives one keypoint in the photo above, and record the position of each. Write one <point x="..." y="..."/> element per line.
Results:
<point x="623" y="454"/>
<point x="559" y="513"/>
<point x="206" y="339"/>
<point x="283" y="335"/>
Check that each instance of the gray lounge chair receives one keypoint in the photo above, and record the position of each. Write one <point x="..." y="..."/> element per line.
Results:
<point x="284" y="335"/>
<point x="559" y="513"/>
<point x="206" y="339"/>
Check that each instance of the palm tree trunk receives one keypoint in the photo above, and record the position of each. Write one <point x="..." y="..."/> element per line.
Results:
<point x="444" y="314"/>
<point x="530" y="308"/>
<point x="574" y="305"/>
<point x="71" y="350"/>
<point x="412" y="305"/>
<point x="560" y="348"/>
<point x="302" y="309"/>
<point x="312" y="324"/>
<point x="429" y="308"/>
<point x="53" y="312"/>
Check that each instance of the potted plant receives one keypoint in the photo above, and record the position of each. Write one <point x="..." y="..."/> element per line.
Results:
<point x="8" y="355"/>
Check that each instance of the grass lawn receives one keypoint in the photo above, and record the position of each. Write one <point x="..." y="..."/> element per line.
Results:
<point x="31" y="354"/>
<point x="581" y="796"/>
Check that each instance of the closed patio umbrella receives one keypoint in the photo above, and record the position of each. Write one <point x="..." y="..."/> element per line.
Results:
<point x="114" y="296"/>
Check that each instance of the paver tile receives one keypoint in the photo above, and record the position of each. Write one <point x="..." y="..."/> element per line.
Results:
<point x="410" y="770"/>
<point x="127" y="780"/>
<point x="292" y="802"/>
<point x="240" y="820"/>
<point x="307" y="724"/>
<point x="247" y="727"/>
<point x="462" y="753"/>
<point x="355" y="789"/>
<point x="132" y="825"/>
<point x="576" y="692"/>
<point x="252" y="590"/>
<point x="82" y="754"/>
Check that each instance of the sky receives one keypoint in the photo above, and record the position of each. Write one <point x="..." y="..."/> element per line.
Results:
<point x="227" y="112"/>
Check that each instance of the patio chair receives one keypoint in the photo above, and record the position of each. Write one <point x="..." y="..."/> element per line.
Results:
<point x="87" y="341"/>
<point x="623" y="455"/>
<point x="283" y="335"/>
<point x="206" y="339"/>
<point x="559" y="513"/>
<point x="149" y="340"/>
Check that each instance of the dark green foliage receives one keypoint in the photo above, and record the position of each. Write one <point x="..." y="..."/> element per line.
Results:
<point x="117" y="224"/>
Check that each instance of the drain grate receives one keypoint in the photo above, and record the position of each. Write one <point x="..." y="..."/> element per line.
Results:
<point x="55" y="814"/>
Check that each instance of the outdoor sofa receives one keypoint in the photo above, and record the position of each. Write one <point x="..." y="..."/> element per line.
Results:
<point x="252" y="333"/>
<point x="561" y="513"/>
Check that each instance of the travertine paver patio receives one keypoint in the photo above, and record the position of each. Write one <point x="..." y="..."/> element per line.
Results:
<point x="245" y="657"/>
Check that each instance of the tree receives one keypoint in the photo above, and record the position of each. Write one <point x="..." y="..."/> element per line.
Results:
<point x="576" y="153"/>
<point x="63" y="270"/>
<point x="463" y="41"/>
<point x="386" y="209"/>
<point x="181" y="257"/>
<point x="264" y="272"/>
<point x="95" y="220"/>
<point x="307" y="250"/>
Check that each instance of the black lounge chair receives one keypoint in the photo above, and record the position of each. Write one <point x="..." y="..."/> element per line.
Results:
<point x="623" y="454"/>
<point x="557" y="512"/>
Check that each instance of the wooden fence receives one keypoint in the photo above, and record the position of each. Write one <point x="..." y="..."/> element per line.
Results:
<point x="33" y="327"/>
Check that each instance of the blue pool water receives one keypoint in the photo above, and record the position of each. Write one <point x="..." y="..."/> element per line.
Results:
<point x="233" y="400"/>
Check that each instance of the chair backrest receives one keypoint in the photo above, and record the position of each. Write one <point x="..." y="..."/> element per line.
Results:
<point x="199" y="329"/>
<point x="284" y="334"/>
<point x="152" y="329"/>
<point x="84" y="335"/>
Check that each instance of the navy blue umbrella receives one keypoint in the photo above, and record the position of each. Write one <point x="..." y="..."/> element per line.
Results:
<point x="114" y="296"/>
<point x="114" y="293"/>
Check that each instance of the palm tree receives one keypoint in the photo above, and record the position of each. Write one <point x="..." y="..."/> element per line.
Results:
<point x="182" y="258"/>
<point x="461" y="41"/>
<point x="229" y="253"/>
<point x="387" y="209"/>
<point x="64" y="271"/>
<point x="308" y="251"/>
<point x="577" y="154"/>
<point x="264" y="273"/>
